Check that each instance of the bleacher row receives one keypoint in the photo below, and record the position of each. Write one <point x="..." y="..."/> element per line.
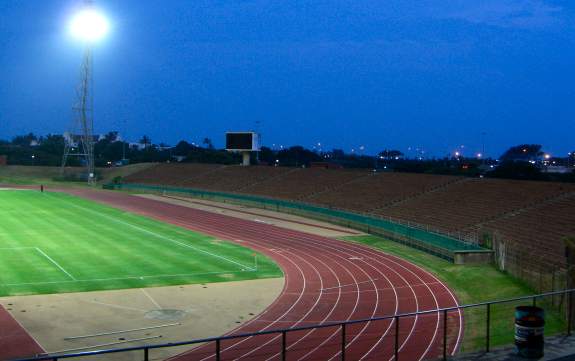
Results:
<point x="535" y="215"/>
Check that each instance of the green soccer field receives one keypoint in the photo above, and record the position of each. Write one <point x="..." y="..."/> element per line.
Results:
<point x="55" y="242"/>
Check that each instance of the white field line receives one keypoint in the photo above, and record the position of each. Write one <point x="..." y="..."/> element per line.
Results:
<point x="151" y="299"/>
<point x="16" y="248"/>
<point x="119" y="278"/>
<point x="163" y="237"/>
<point x="43" y="254"/>
<point x="116" y="306"/>
<point x="55" y="263"/>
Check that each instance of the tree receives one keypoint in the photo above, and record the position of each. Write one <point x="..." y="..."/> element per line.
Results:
<point x="297" y="156"/>
<point x="522" y="152"/>
<point x="267" y="155"/>
<point x="208" y="143"/>
<point x="52" y="144"/>
<point x="111" y="136"/>
<point x="24" y="140"/>
<point x="337" y="154"/>
<point x="517" y="170"/>
<point x="183" y="148"/>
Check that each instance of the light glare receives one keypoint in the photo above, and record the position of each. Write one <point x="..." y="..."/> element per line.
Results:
<point x="89" y="25"/>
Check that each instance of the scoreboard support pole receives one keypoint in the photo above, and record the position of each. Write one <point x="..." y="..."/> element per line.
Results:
<point x="246" y="158"/>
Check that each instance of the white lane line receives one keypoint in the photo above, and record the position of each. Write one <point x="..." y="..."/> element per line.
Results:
<point x="161" y="236"/>
<point x="383" y="256"/>
<point x="151" y="299"/>
<point x="389" y="288"/>
<point x="333" y="307"/>
<point x="293" y="305"/>
<point x="350" y="284"/>
<point x="55" y="263"/>
<point x="120" y="278"/>
<point x="226" y="234"/>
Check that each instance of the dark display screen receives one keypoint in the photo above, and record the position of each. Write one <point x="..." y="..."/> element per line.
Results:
<point x="239" y="141"/>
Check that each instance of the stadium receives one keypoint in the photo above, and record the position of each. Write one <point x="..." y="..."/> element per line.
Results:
<point x="323" y="263"/>
<point x="392" y="226"/>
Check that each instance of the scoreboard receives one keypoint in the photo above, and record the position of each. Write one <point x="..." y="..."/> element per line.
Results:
<point x="243" y="141"/>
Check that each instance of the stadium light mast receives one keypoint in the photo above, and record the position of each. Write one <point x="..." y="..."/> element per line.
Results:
<point x="88" y="26"/>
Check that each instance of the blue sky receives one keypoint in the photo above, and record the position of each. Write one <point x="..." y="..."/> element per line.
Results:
<point x="433" y="74"/>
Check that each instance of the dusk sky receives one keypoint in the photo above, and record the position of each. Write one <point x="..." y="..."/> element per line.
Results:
<point x="433" y="74"/>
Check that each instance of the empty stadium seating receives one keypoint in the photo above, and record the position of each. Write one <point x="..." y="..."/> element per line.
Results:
<point x="462" y="204"/>
<point x="528" y="215"/>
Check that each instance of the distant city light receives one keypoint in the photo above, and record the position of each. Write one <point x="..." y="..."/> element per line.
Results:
<point x="457" y="154"/>
<point x="479" y="155"/>
<point x="547" y="156"/>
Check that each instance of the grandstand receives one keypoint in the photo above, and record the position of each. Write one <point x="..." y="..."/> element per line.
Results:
<point x="527" y="215"/>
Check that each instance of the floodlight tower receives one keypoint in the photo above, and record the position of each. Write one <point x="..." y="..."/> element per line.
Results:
<point x="88" y="26"/>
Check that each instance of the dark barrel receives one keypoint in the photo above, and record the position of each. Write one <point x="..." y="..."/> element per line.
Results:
<point x="529" y="327"/>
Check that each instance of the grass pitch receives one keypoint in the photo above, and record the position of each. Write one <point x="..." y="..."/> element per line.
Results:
<point x="55" y="242"/>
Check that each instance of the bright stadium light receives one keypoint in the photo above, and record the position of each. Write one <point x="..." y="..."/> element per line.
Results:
<point x="89" y="25"/>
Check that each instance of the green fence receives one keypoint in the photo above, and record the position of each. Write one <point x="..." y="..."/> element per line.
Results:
<point x="435" y="243"/>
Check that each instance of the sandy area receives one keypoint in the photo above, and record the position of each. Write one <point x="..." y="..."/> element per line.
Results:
<point x="187" y="312"/>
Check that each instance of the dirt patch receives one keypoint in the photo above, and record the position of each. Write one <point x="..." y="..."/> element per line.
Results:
<point x="164" y="314"/>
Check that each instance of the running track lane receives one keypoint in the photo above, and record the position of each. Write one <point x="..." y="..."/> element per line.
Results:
<point x="15" y="342"/>
<point x="326" y="280"/>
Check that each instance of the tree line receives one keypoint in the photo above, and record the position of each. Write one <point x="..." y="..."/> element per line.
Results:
<point x="524" y="161"/>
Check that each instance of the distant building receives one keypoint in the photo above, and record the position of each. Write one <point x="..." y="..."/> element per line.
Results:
<point x="557" y="169"/>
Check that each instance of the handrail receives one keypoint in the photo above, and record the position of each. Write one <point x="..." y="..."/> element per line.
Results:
<point x="218" y="339"/>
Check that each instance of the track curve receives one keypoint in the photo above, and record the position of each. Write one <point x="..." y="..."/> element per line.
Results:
<point x="326" y="280"/>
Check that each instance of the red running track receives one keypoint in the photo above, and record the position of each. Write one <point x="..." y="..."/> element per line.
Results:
<point x="326" y="280"/>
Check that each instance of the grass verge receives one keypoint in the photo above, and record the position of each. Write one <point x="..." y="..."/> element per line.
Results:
<point x="474" y="284"/>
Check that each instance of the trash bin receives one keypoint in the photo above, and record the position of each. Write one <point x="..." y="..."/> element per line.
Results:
<point x="529" y="327"/>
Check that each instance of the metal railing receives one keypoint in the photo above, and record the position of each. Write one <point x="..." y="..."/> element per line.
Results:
<point x="558" y="304"/>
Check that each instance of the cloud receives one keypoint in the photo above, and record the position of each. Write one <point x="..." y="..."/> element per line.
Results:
<point x="503" y="13"/>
